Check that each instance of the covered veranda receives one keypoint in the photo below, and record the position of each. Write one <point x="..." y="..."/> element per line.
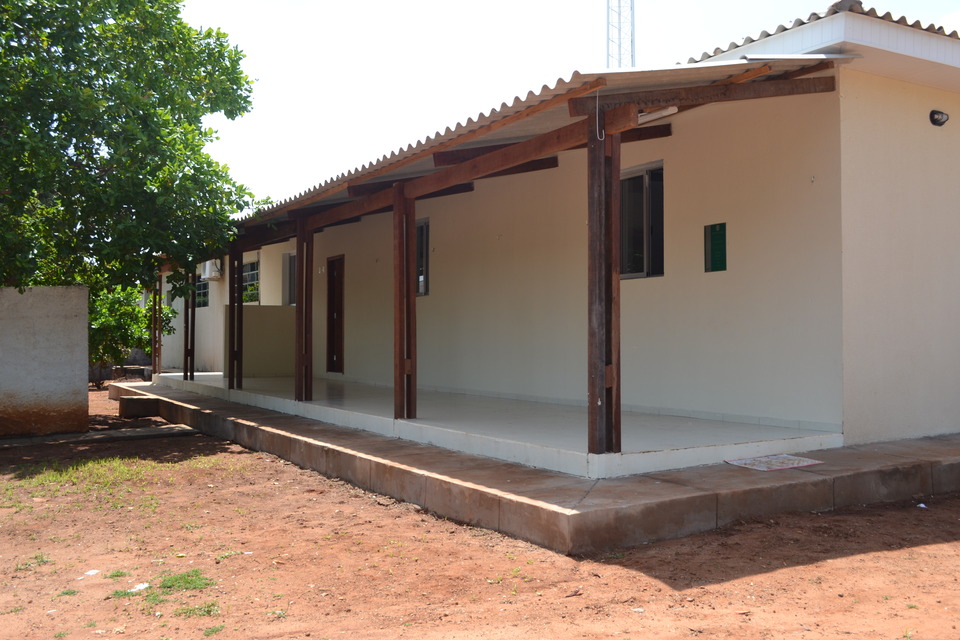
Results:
<point x="598" y="438"/>
<point x="546" y="436"/>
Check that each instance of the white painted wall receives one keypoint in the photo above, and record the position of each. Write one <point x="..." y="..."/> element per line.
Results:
<point x="762" y="339"/>
<point x="900" y="259"/>
<point x="506" y="313"/>
<point x="367" y="247"/>
<point x="43" y="360"/>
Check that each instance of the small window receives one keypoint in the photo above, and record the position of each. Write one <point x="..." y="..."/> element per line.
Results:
<point x="641" y="224"/>
<point x="290" y="279"/>
<point x="250" y="275"/>
<point x="203" y="294"/>
<point x="715" y="247"/>
<point x="423" y="257"/>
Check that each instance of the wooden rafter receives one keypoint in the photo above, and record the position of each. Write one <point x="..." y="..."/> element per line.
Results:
<point x="572" y="135"/>
<point x="618" y="119"/>
<point x="262" y="235"/>
<point x="371" y="188"/>
<point x="746" y="75"/>
<point x="643" y="133"/>
<point x="806" y="71"/>
<point x="703" y="94"/>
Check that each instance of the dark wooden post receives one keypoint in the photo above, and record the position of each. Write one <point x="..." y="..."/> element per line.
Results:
<point x="603" y="290"/>
<point x="235" y="320"/>
<point x="404" y="306"/>
<point x="190" y="328"/>
<point x="304" y="314"/>
<point x="156" y="333"/>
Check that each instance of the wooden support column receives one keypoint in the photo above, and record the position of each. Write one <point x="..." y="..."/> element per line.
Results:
<point x="235" y="320"/>
<point x="190" y="328"/>
<point x="156" y="324"/>
<point x="303" y="361"/>
<point x="603" y="289"/>
<point x="404" y="306"/>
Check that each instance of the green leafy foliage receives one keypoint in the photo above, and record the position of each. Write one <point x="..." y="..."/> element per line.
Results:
<point x="102" y="168"/>
<point x="117" y="323"/>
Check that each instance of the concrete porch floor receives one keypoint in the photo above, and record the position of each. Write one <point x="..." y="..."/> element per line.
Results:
<point x="560" y="511"/>
<point x="536" y="434"/>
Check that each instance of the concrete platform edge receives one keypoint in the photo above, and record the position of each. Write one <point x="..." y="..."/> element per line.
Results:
<point x="578" y="515"/>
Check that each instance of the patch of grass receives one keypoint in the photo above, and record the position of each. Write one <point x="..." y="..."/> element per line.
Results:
<point x="224" y="556"/>
<point x="913" y="606"/>
<point x="38" y="560"/>
<point x="61" y="634"/>
<point x="213" y="630"/>
<point x="11" y="610"/>
<point x="153" y="597"/>
<point x="116" y="575"/>
<point x="101" y="476"/>
<point x="68" y="592"/>
<point x="123" y="593"/>
<point x="90" y="624"/>
<point x="211" y="608"/>
<point x="187" y="581"/>
<point x="191" y="526"/>
<point x="110" y="482"/>
<point x="278" y="614"/>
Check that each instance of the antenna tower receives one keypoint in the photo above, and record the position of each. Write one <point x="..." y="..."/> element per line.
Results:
<point x="621" y="51"/>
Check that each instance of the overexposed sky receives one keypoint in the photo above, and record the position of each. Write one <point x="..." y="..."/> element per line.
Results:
<point x="340" y="83"/>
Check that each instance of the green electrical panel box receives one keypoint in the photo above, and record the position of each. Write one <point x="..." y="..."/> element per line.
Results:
<point x="715" y="247"/>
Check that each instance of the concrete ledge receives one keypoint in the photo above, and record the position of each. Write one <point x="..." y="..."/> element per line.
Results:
<point x="743" y="494"/>
<point x="861" y="476"/>
<point x="568" y="513"/>
<point x="139" y="406"/>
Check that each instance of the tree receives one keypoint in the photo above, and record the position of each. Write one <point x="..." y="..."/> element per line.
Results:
<point x="118" y="322"/>
<point x="103" y="177"/>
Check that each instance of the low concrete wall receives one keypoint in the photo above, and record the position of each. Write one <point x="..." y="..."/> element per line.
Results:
<point x="43" y="360"/>
<point x="268" y="341"/>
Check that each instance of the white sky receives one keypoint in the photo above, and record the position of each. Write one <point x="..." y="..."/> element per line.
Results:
<point x="340" y="83"/>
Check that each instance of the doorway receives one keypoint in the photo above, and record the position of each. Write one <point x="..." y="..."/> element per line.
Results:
<point x="335" y="314"/>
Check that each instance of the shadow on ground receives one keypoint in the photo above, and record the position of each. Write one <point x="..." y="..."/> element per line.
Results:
<point x="791" y="540"/>
<point x="28" y="460"/>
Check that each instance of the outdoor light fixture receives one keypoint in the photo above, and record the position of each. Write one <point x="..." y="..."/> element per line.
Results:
<point x="938" y="118"/>
<point x="650" y="116"/>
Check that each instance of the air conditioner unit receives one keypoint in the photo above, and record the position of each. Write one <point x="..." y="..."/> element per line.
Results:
<point x="210" y="270"/>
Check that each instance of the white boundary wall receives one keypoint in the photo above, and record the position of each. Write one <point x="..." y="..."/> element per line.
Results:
<point x="43" y="360"/>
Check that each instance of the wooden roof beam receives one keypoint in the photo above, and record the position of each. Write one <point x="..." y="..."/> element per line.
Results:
<point x="642" y="133"/>
<point x="618" y="119"/>
<point x="746" y="75"/>
<point x="261" y="235"/>
<point x="806" y="71"/>
<point x="703" y="94"/>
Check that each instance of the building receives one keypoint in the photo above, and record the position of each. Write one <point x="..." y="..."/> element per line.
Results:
<point x="751" y="253"/>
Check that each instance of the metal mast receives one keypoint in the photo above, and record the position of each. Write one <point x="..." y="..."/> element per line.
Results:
<point x="621" y="51"/>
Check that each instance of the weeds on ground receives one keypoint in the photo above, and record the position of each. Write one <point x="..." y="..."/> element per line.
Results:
<point x="104" y="481"/>
<point x="39" y="559"/>
<point x="186" y="581"/>
<point x="211" y="608"/>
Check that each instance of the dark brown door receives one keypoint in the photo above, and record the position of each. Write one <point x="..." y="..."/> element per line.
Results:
<point x="335" y="314"/>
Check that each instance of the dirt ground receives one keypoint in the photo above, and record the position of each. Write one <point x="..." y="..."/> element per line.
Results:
<point x="290" y="554"/>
